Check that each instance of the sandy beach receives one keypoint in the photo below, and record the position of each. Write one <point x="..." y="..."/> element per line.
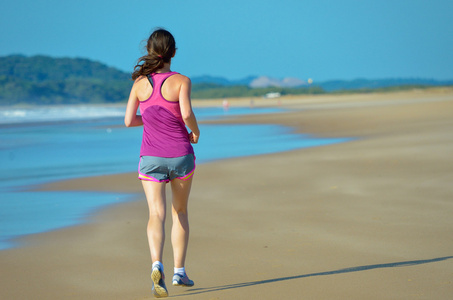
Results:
<point x="366" y="219"/>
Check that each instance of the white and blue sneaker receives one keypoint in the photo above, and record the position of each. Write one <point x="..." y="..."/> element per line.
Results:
<point x="182" y="280"/>
<point x="159" y="288"/>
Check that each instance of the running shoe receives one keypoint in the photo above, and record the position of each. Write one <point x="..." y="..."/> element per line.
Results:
<point x="182" y="280"/>
<point x="159" y="288"/>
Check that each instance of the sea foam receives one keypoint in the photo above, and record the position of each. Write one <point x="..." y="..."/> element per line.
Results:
<point x="15" y="115"/>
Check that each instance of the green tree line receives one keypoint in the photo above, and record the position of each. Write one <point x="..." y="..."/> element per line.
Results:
<point x="47" y="80"/>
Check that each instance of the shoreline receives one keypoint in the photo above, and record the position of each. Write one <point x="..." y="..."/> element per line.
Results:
<point x="368" y="219"/>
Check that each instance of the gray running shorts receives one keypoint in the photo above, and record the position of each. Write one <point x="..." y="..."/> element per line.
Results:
<point x="165" y="169"/>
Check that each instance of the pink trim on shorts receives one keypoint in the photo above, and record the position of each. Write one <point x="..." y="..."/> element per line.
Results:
<point x="187" y="176"/>
<point x="142" y="176"/>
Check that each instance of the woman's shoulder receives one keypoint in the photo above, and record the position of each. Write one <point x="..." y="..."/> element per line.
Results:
<point x="180" y="78"/>
<point x="142" y="88"/>
<point x="141" y="83"/>
<point x="140" y="79"/>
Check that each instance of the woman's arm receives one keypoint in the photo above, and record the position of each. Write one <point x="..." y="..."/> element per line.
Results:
<point x="186" y="110"/>
<point x="131" y="118"/>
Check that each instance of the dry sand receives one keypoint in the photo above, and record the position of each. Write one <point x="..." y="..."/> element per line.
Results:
<point x="367" y="219"/>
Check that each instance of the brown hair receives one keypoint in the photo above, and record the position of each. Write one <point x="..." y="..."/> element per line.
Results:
<point x="161" y="47"/>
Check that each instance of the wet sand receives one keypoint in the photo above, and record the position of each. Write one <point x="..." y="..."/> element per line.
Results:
<point x="366" y="219"/>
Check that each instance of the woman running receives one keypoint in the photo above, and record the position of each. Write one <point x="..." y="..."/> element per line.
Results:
<point x="166" y="153"/>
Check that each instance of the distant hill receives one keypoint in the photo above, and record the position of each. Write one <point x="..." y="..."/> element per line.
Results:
<point x="42" y="68"/>
<point x="222" y="81"/>
<point x="48" y="80"/>
<point x="328" y="86"/>
<point x="264" y="81"/>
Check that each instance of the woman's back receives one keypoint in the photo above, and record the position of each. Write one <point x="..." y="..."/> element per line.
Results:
<point x="164" y="133"/>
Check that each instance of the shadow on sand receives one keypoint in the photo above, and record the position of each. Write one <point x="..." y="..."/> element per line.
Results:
<point x="341" y="271"/>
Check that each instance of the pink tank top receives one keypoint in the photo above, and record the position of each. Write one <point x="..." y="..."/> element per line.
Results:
<point x="164" y="131"/>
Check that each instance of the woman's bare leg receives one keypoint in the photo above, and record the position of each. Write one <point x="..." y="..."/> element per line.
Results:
<point x="180" y="229"/>
<point x="155" y="195"/>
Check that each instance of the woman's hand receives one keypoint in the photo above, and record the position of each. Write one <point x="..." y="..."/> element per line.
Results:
<point x="193" y="137"/>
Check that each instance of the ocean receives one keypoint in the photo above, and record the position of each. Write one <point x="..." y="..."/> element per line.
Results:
<point x="50" y="143"/>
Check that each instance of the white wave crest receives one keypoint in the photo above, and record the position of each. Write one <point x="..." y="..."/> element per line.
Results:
<point x="13" y="115"/>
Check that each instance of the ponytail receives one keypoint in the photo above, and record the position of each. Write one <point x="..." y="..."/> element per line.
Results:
<point x="147" y="65"/>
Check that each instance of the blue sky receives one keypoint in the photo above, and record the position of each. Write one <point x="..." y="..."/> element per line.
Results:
<point x="316" y="39"/>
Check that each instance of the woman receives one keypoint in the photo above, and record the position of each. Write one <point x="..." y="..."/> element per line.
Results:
<point x="166" y="153"/>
